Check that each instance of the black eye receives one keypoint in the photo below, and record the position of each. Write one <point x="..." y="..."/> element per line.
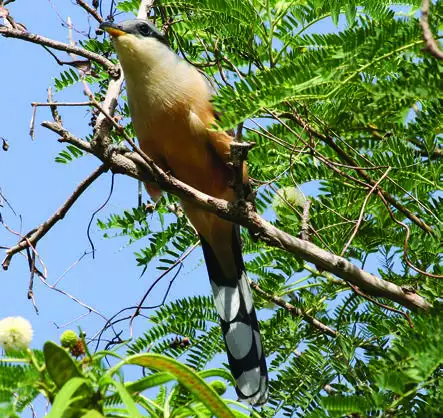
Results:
<point x="144" y="29"/>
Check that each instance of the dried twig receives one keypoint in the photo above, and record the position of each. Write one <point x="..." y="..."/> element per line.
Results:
<point x="73" y="298"/>
<point x="83" y="65"/>
<point x="31" y="239"/>
<point x="73" y="104"/>
<point x="70" y="267"/>
<point x="28" y="244"/>
<point x="114" y="70"/>
<point x="31" y="261"/>
<point x="389" y="308"/>
<point x="177" y="262"/>
<point x="58" y="326"/>
<point x="431" y="44"/>
<point x="93" y="12"/>
<point x="32" y="123"/>
<point x="51" y="104"/>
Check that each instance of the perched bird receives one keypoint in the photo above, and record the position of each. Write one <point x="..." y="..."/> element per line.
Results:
<point x="170" y="106"/>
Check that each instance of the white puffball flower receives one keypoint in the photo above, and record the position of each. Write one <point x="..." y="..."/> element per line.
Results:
<point x="15" y="333"/>
<point x="292" y="195"/>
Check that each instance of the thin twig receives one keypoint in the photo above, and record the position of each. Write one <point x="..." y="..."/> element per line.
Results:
<point x="72" y="320"/>
<point x="51" y="104"/>
<point x="41" y="40"/>
<point x="70" y="267"/>
<point x="32" y="123"/>
<point x="389" y="308"/>
<point x="93" y="12"/>
<point x="28" y="244"/>
<point x="294" y="310"/>
<point x="406" y="242"/>
<point x="31" y="261"/>
<point x="74" y="104"/>
<point x="73" y="298"/>
<point x="362" y="211"/>
<point x="172" y="267"/>
<point x="431" y="44"/>
<point x="30" y="239"/>
<point x="4" y="200"/>
<point x="76" y="63"/>
<point x="88" y="231"/>
<point x="31" y="407"/>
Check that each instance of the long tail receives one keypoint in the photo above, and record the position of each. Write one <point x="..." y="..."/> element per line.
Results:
<point x="233" y="300"/>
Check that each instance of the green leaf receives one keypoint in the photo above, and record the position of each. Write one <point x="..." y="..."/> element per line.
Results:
<point x="126" y="398"/>
<point x="186" y="376"/>
<point x="147" y="382"/>
<point x="60" y="365"/>
<point x="63" y="399"/>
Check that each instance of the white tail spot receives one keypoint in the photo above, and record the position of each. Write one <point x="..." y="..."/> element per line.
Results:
<point x="239" y="339"/>
<point x="227" y="301"/>
<point x="249" y="382"/>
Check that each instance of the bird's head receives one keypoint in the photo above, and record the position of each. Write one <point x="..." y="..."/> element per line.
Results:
<point x="135" y="40"/>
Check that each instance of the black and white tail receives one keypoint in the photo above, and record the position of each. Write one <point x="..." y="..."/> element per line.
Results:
<point x="233" y="300"/>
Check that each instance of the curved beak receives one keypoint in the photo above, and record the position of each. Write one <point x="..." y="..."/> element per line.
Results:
<point x="113" y="29"/>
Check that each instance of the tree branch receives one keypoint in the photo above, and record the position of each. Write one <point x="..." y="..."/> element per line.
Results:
<point x="135" y="166"/>
<point x="113" y="69"/>
<point x="431" y="44"/>
<point x="31" y="239"/>
<point x="93" y="12"/>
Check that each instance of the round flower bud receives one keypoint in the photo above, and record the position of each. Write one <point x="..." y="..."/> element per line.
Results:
<point x="218" y="386"/>
<point x="68" y="339"/>
<point x="15" y="333"/>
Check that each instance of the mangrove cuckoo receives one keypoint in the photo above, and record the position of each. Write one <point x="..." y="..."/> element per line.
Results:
<point x="170" y="105"/>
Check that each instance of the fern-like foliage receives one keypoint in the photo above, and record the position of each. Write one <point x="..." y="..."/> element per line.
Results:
<point x="336" y="96"/>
